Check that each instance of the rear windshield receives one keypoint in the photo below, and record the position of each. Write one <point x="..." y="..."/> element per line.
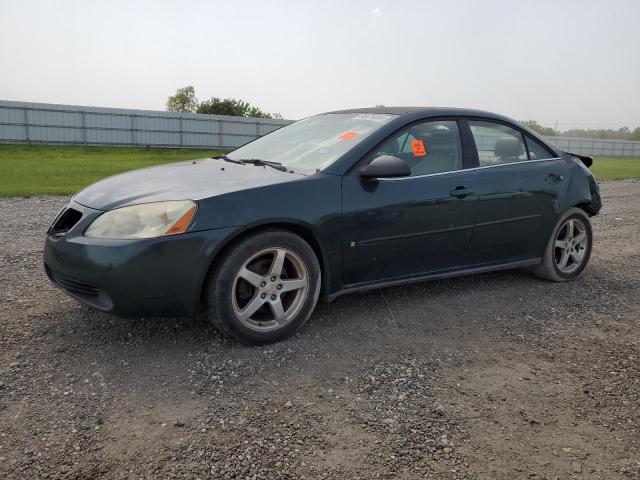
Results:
<point x="313" y="143"/>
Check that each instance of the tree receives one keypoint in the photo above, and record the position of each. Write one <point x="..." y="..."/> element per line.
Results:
<point x="184" y="100"/>
<point x="635" y="135"/>
<point x="231" y="106"/>
<point x="623" y="133"/>
<point x="536" y="127"/>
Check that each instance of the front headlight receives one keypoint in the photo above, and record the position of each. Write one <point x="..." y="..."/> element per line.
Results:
<point x="146" y="220"/>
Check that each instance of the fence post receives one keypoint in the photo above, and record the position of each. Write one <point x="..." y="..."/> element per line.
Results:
<point x="220" y="133"/>
<point x="84" y="130"/>
<point x="133" y="133"/>
<point x="257" y="129"/>
<point x="26" y="124"/>
<point x="181" y="131"/>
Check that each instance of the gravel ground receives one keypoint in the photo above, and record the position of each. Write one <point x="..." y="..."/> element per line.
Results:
<point x="498" y="376"/>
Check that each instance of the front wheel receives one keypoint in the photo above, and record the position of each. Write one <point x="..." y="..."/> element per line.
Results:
<point x="569" y="248"/>
<point x="265" y="288"/>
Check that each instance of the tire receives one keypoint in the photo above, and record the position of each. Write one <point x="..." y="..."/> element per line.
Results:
<point x="560" y="246"/>
<point x="264" y="289"/>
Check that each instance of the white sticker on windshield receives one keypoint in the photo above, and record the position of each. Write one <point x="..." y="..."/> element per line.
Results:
<point x="373" y="117"/>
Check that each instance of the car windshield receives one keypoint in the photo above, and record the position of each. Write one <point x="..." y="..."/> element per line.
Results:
<point x="313" y="143"/>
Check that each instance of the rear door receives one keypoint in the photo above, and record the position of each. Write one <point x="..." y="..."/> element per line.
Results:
<point x="403" y="227"/>
<point x="519" y="182"/>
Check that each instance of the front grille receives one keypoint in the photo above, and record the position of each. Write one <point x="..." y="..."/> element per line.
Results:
<point x="65" y="222"/>
<point x="71" y="284"/>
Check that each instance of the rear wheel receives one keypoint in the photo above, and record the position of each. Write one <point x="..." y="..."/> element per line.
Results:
<point x="569" y="248"/>
<point x="265" y="288"/>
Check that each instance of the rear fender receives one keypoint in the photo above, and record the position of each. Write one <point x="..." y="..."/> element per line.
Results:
<point x="583" y="189"/>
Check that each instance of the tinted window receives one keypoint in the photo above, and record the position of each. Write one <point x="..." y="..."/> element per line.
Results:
<point x="536" y="150"/>
<point x="428" y="147"/>
<point x="497" y="143"/>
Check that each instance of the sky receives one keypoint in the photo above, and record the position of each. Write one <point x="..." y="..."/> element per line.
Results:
<point x="574" y="64"/>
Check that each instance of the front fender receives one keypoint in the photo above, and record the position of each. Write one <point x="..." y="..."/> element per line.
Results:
<point x="310" y="207"/>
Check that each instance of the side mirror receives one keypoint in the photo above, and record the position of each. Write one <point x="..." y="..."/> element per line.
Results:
<point x="385" y="166"/>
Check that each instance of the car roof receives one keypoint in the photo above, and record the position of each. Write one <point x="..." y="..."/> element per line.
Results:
<point x="426" y="111"/>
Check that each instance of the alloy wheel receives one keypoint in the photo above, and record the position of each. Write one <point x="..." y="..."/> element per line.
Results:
<point x="570" y="246"/>
<point x="270" y="289"/>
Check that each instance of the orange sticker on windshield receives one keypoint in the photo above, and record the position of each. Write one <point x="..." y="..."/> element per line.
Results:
<point x="348" y="135"/>
<point x="417" y="146"/>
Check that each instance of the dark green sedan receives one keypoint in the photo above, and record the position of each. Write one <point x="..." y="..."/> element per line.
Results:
<point x="331" y="204"/>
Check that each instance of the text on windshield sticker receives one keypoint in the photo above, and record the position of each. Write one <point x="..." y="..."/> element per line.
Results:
<point x="417" y="146"/>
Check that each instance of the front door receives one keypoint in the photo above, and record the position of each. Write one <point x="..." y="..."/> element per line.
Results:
<point x="404" y="227"/>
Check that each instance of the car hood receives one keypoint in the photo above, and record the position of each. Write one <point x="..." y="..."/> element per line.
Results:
<point x="193" y="179"/>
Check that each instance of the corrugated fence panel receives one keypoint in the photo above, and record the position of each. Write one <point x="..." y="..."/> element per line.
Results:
<point x="93" y="120"/>
<point x="14" y="133"/>
<point x="156" y="124"/>
<point x="159" y="139"/>
<point x="200" y="126"/>
<point x="199" y="140"/>
<point x="22" y="122"/>
<point x="8" y="116"/>
<point x="109" y="137"/>
<point x="55" y="135"/>
<point x="47" y="118"/>
<point x="597" y="147"/>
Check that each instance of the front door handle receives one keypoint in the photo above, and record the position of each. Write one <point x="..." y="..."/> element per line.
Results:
<point x="461" y="192"/>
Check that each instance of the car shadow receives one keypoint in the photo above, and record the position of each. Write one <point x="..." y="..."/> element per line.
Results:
<point x="390" y="307"/>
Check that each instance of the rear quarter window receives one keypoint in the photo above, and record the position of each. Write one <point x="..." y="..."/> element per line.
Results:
<point x="537" y="151"/>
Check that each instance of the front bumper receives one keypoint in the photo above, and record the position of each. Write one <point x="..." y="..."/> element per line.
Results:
<point x="160" y="276"/>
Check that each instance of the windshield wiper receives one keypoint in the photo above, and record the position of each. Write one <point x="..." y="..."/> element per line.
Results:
<point x="255" y="161"/>
<point x="260" y="162"/>
<point x="227" y="159"/>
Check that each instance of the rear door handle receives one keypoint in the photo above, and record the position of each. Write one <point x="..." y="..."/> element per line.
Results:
<point x="461" y="192"/>
<point x="553" y="178"/>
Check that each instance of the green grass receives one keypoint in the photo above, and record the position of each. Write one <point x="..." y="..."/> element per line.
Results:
<point x="63" y="170"/>
<point x="612" y="168"/>
<point x="27" y="170"/>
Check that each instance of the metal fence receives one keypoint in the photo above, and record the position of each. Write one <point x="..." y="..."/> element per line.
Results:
<point x="26" y="122"/>
<point x="597" y="147"/>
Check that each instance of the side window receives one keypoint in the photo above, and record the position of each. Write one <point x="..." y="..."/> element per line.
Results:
<point x="428" y="147"/>
<point x="536" y="150"/>
<point x="497" y="143"/>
